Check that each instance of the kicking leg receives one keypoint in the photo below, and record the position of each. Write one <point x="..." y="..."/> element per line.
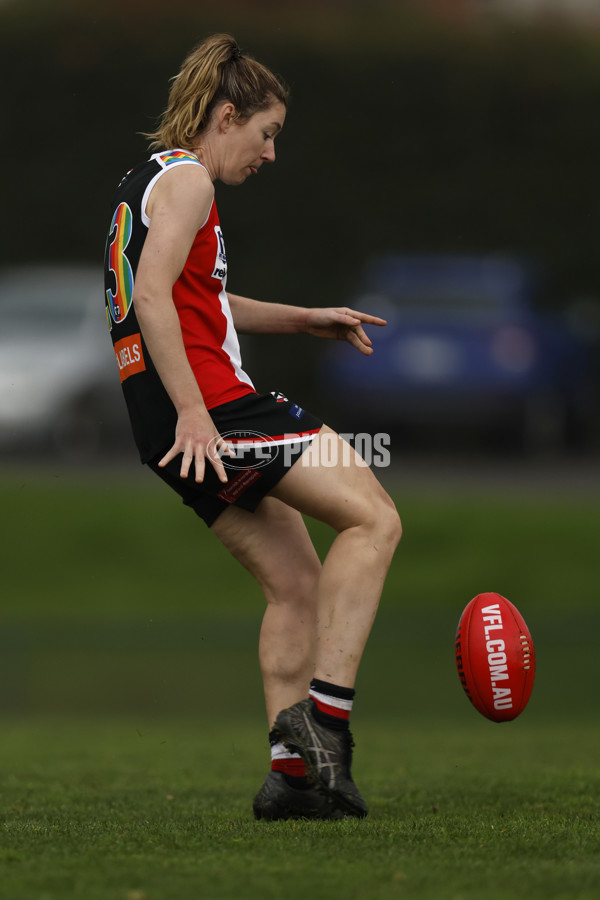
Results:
<point x="330" y="482"/>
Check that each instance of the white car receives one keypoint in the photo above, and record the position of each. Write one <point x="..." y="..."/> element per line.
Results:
<point x="59" y="386"/>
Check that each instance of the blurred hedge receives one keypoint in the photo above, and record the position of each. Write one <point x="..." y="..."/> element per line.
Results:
<point x="402" y="135"/>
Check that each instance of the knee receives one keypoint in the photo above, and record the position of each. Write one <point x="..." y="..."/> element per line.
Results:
<point x="385" y="519"/>
<point x="393" y="523"/>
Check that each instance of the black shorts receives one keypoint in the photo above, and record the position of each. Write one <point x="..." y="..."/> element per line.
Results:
<point x="268" y="433"/>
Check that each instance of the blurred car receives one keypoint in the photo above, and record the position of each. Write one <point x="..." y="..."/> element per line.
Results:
<point x="59" y="387"/>
<point x="467" y="346"/>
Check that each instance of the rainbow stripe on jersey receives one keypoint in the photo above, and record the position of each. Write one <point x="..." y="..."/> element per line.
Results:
<point x="176" y="156"/>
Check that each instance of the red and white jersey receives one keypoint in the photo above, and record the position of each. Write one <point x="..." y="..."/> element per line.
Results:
<point x="200" y="297"/>
<point x="209" y="335"/>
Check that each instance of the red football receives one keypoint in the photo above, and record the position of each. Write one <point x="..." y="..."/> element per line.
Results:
<point x="495" y="657"/>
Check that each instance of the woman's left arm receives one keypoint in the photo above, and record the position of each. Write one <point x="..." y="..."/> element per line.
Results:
<point x="336" y="323"/>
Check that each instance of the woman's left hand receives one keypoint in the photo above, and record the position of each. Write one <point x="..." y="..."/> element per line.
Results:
<point x="342" y="324"/>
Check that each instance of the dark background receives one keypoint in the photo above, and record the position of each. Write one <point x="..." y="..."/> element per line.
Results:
<point x="408" y="130"/>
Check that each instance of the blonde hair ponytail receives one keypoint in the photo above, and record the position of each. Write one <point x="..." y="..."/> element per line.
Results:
<point x="216" y="71"/>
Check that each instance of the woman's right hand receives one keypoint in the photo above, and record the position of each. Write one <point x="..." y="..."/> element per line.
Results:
<point x="197" y="439"/>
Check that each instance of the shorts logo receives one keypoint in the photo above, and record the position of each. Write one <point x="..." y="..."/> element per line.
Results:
<point x="130" y="358"/>
<point x="296" y="411"/>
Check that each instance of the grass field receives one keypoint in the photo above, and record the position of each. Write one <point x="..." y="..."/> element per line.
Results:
<point x="133" y="731"/>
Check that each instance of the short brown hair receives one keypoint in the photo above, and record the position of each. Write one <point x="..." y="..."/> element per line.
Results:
<point x="216" y="71"/>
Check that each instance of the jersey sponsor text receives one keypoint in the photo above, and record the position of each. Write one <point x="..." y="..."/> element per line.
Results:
<point x="130" y="358"/>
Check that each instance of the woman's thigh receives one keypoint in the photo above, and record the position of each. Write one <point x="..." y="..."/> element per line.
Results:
<point x="272" y="543"/>
<point x="333" y="484"/>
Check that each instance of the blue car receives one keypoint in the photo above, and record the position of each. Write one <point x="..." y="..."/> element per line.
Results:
<point x="466" y="347"/>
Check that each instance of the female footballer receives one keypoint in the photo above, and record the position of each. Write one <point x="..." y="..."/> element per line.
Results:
<point x="248" y="464"/>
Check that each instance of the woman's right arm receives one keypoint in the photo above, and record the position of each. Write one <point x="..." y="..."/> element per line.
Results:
<point x="178" y="206"/>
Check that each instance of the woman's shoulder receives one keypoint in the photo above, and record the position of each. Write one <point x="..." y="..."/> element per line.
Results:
<point x="186" y="168"/>
<point x="181" y="184"/>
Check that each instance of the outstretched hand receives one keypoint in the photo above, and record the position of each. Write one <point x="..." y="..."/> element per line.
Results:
<point x="342" y="324"/>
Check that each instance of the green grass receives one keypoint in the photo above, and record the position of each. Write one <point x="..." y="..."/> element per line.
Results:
<point x="134" y="736"/>
<point x="108" y="809"/>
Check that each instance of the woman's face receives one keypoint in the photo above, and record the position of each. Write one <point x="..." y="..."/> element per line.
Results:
<point x="247" y="145"/>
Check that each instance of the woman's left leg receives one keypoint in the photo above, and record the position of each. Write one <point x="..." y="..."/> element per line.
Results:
<point x="275" y="547"/>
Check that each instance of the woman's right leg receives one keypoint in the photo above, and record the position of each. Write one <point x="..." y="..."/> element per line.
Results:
<point x="331" y="483"/>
